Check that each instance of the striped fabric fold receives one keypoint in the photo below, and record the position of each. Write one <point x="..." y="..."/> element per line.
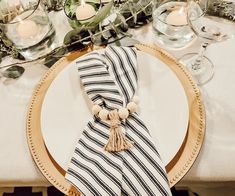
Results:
<point x="109" y="78"/>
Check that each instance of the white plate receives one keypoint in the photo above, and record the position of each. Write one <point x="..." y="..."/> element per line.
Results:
<point x="163" y="107"/>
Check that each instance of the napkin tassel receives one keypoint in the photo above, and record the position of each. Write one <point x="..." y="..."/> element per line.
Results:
<point x="117" y="140"/>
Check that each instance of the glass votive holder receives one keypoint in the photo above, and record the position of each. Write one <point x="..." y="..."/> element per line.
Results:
<point x="170" y="24"/>
<point x="80" y="12"/>
<point x="27" y="26"/>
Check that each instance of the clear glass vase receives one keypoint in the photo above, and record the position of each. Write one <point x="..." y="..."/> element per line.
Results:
<point x="170" y="24"/>
<point x="27" y="26"/>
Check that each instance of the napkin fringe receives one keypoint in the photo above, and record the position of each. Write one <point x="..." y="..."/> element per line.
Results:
<point x="117" y="140"/>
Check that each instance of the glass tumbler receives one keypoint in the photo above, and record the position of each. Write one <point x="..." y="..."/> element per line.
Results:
<point x="170" y="24"/>
<point x="81" y="12"/>
<point x="26" y="24"/>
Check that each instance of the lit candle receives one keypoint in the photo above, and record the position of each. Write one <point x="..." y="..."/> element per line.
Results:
<point x="27" y="29"/>
<point x="85" y="11"/>
<point x="177" y="17"/>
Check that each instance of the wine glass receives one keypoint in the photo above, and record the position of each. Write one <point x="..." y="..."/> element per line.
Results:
<point x="212" y="21"/>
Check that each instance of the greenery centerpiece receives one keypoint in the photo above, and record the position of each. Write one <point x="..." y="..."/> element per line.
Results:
<point x="109" y="24"/>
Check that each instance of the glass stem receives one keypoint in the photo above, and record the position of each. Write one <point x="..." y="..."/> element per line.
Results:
<point x="198" y="61"/>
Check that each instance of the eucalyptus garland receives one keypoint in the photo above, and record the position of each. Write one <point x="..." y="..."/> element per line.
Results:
<point x="53" y="5"/>
<point x="96" y="32"/>
<point x="225" y="9"/>
<point x="101" y="30"/>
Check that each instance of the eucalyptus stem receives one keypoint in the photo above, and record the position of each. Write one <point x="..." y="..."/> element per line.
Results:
<point x="73" y="43"/>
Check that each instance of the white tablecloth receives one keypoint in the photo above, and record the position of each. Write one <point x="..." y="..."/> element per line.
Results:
<point x="215" y="162"/>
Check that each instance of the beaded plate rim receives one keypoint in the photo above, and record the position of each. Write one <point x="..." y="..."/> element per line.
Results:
<point x="176" y="169"/>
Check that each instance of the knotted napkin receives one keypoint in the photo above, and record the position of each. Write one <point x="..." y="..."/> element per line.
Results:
<point x="109" y="78"/>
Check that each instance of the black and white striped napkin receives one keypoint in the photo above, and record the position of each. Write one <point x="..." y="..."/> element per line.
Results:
<point x="110" y="79"/>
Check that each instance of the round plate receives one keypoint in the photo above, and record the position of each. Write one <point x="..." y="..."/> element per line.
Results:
<point x="176" y="169"/>
<point x="65" y="112"/>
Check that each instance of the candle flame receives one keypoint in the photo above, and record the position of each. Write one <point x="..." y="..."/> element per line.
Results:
<point x="83" y="2"/>
<point x="181" y="11"/>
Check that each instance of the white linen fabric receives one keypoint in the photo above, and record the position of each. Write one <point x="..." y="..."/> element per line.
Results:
<point x="18" y="169"/>
<point x="110" y="80"/>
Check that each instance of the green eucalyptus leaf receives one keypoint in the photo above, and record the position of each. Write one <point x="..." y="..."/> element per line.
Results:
<point x="77" y="34"/>
<point x="51" y="60"/>
<point x="70" y="35"/>
<point x="13" y="72"/>
<point x="101" y="15"/>
<point x="70" y="8"/>
<point x="74" y="1"/>
<point x="7" y="42"/>
<point x="3" y="54"/>
<point x="75" y="24"/>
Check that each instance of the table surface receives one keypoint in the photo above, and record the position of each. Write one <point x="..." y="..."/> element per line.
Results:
<point x="215" y="162"/>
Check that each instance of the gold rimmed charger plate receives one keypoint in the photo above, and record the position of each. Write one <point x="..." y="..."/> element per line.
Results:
<point x="176" y="169"/>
